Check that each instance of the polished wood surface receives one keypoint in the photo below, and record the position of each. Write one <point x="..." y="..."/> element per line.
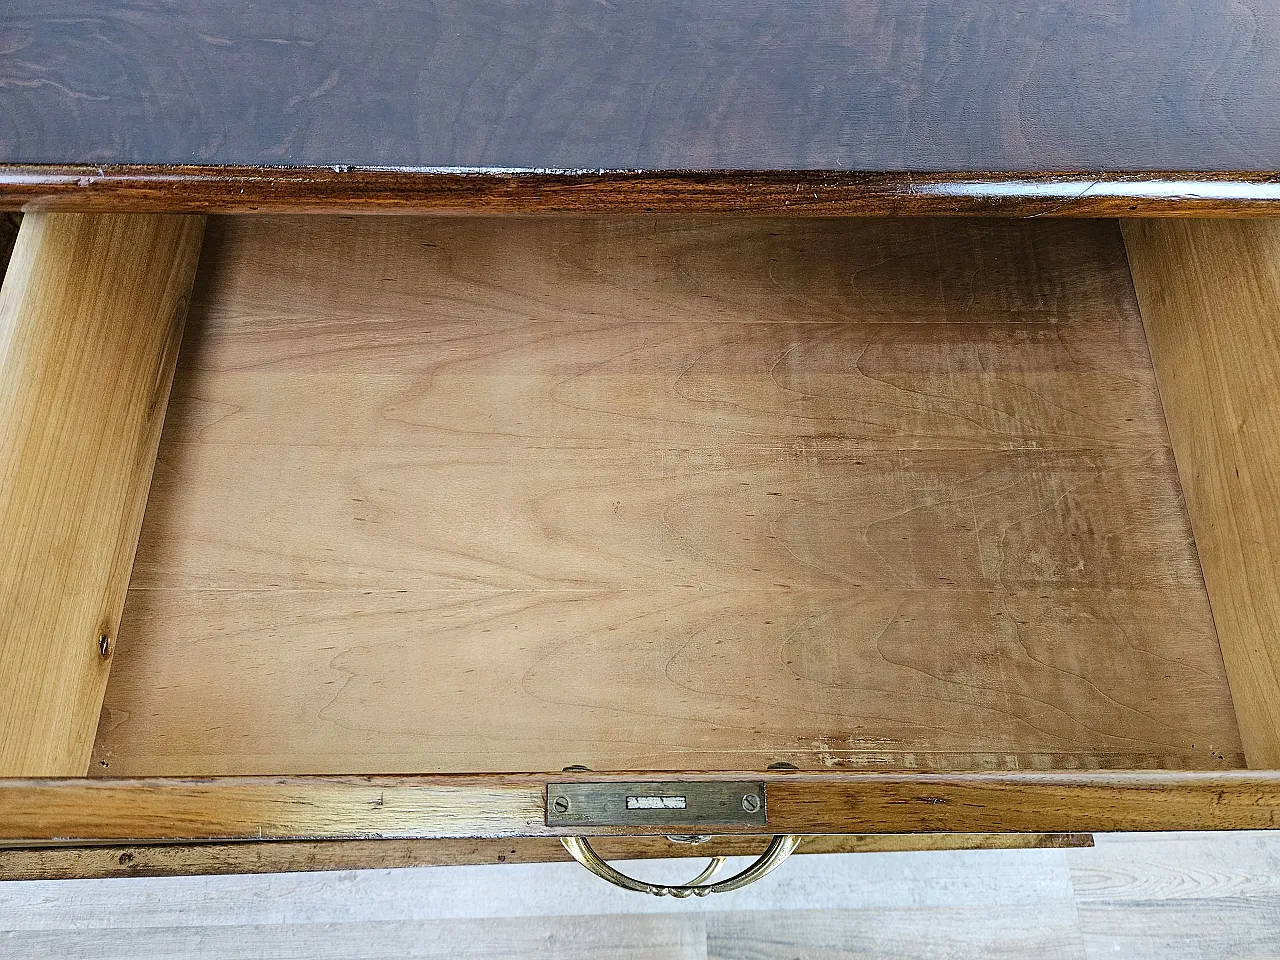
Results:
<point x="86" y="809"/>
<point x="1210" y="295"/>
<point x="284" y="856"/>
<point x="226" y="189"/>
<point x="1096" y="85"/>
<point x="90" y="321"/>
<point x="482" y="495"/>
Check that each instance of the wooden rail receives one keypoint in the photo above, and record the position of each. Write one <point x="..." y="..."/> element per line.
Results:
<point x="512" y="805"/>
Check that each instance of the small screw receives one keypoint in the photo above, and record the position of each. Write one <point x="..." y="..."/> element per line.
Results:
<point x="560" y="804"/>
<point x="104" y="646"/>
<point x="751" y="803"/>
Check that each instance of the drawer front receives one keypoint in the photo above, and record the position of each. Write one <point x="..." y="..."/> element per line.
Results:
<point x="445" y="806"/>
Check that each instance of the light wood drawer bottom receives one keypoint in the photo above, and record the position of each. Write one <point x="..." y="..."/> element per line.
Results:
<point x="881" y="500"/>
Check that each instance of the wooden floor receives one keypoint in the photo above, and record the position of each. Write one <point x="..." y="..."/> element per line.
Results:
<point x="648" y="493"/>
<point x="1159" y="897"/>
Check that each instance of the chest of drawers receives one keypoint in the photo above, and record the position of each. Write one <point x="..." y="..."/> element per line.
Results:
<point x="735" y="420"/>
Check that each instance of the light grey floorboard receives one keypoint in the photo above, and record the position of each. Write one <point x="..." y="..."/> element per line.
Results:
<point x="1048" y="931"/>
<point x="1174" y="896"/>
<point x="633" y="937"/>
<point x="837" y="881"/>
<point x="1206" y="896"/>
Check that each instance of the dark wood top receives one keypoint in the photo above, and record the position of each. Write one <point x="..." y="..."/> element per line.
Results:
<point x="661" y="85"/>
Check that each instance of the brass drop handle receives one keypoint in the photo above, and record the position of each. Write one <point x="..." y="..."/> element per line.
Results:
<point x="778" y="850"/>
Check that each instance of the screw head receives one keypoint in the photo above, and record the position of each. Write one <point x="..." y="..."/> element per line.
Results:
<point x="560" y="804"/>
<point x="751" y="803"/>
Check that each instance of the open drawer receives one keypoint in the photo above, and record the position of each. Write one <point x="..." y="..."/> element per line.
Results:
<point x="468" y="527"/>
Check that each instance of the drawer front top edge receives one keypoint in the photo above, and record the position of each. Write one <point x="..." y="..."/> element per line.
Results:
<point x="344" y="189"/>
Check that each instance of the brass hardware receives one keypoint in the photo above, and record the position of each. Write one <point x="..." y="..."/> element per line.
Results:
<point x="778" y="850"/>
<point x="666" y="803"/>
<point x="657" y="804"/>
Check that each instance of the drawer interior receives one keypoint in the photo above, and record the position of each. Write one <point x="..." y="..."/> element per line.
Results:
<point x="652" y="493"/>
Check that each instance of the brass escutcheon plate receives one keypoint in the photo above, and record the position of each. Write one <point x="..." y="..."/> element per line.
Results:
<point x="664" y="803"/>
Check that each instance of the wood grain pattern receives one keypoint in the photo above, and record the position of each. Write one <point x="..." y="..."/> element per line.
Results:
<point x="1098" y="85"/>
<point x="1175" y="897"/>
<point x="151" y="810"/>
<point x="1210" y="296"/>
<point x="90" y="320"/>
<point x="1240" y="930"/>
<point x="247" y="857"/>
<point x="1168" y="897"/>
<point x="898" y="932"/>
<point x="189" y="188"/>
<point x="638" y="937"/>
<point x="480" y="495"/>
<point x="1132" y="869"/>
